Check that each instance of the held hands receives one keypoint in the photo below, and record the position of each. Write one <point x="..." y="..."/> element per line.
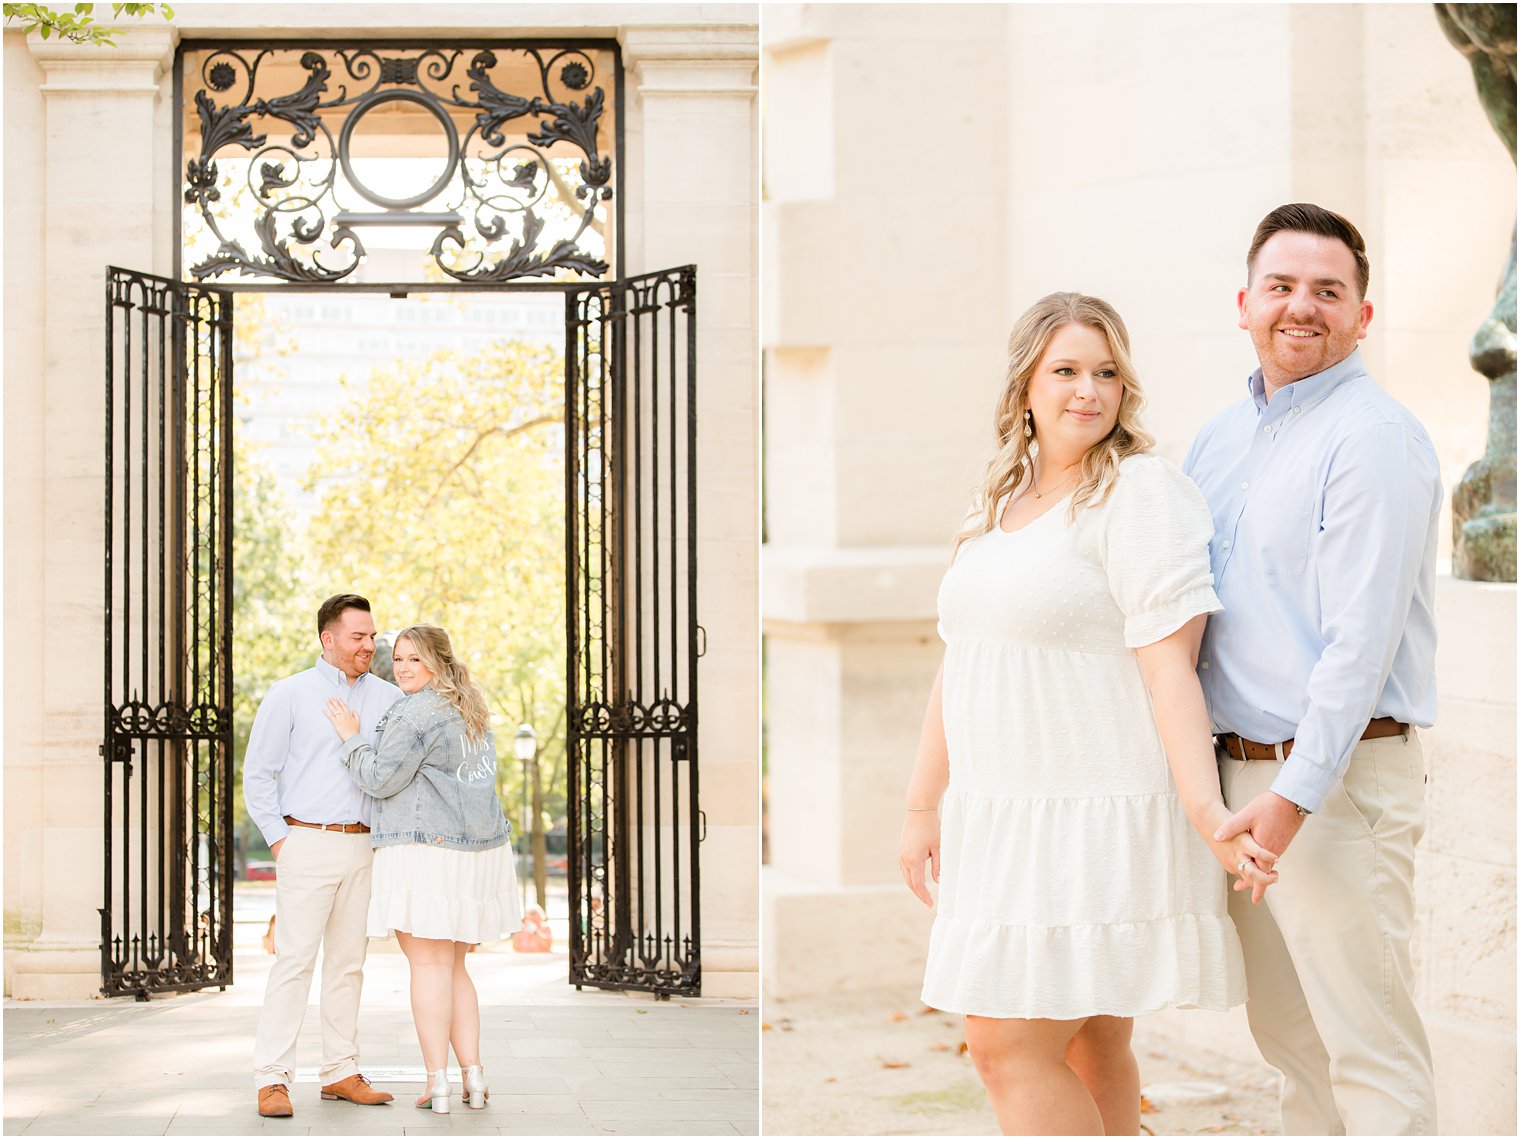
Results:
<point x="1269" y="818"/>
<point x="342" y="717"/>
<point x="1238" y="850"/>
<point x="919" y="844"/>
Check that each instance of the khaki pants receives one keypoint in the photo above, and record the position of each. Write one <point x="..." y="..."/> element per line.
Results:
<point x="321" y="899"/>
<point x="1327" y="953"/>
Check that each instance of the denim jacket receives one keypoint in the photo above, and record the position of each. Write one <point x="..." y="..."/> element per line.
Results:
<point x="430" y="783"/>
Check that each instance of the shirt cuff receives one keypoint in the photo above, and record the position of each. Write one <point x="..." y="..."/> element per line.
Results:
<point x="349" y="748"/>
<point x="275" y="831"/>
<point x="1302" y="784"/>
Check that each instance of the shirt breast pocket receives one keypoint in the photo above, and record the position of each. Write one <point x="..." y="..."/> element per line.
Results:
<point x="1287" y="528"/>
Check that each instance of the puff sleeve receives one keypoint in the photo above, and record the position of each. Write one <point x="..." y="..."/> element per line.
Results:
<point x="1154" y="546"/>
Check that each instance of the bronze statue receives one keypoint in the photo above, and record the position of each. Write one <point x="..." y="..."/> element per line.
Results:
<point x="1483" y="503"/>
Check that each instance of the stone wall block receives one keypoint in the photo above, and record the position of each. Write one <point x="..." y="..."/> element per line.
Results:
<point x="835" y="941"/>
<point x="1465" y="939"/>
<point x="1475" y="1077"/>
<point x="803" y="786"/>
<point x="801" y="307"/>
<point x="885" y="690"/>
<point x="1461" y="823"/>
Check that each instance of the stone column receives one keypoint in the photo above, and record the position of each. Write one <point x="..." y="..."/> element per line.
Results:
<point x="885" y="320"/>
<point x="691" y="198"/>
<point x="106" y="147"/>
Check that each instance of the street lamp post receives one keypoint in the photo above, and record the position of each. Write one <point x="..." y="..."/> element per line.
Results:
<point x="525" y="747"/>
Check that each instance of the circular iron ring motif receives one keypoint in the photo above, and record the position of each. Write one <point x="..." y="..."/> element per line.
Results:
<point x="368" y="104"/>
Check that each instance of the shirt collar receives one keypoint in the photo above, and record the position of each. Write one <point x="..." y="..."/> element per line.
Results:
<point x="335" y="674"/>
<point x="1310" y="389"/>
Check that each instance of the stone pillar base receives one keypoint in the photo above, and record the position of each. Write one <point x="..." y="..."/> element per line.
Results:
<point x="820" y="939"/>
<point x="53" y="972"/>
<point x="730" y="970"/>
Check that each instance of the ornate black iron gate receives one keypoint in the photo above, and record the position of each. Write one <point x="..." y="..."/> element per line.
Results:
<point x="634" y="819"/>
<point x="167" y="920"/>
<point x="292" y="143"/>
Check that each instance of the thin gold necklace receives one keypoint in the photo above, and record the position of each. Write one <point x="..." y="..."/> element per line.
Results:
<point x="1041" y="494"/>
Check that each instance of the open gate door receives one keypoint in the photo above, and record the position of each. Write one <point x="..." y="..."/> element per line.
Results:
<point x="167" y="920"/>
<point x="634" y="816"/>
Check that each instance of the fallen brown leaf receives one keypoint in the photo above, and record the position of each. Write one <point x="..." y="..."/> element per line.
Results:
<point x="898" y="1014"/>
<point x="927" y="1011"/>
<point x="832" y="1080"/>
<point x="1146" y="1106"/>
<point x="963" y="1049"/>
<point x="939" y="1046"/>
<point x="765" y="1026"/>
<point x="895" y="1064"/>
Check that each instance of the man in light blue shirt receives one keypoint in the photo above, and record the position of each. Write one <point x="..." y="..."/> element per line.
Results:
<point x="1325" y="494"/>
<point x="316" y="821"/>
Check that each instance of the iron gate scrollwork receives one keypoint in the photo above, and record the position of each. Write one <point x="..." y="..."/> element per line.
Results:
<point x="500" y="153"/>
<point x="167" y="920"/>
<point x="634" y="819"/>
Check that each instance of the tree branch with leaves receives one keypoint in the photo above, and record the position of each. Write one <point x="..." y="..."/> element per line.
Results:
<point x="77" y="25"/>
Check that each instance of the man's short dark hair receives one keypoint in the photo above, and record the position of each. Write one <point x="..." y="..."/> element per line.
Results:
<point x="1305" y="217"/>
<point x="334" y="606"/>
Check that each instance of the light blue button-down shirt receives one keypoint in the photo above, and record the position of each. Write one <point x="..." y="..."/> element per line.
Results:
<point x="292" y="767"/>
<point x="1325" y="504"/>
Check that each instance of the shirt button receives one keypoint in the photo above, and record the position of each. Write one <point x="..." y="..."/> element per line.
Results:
<point x="1225" y="544"/>
<point x="1203" y="664"/>
<point x="1245" y="486"/>
<point x="1296" y="410"/>
<point x="1268" y="429"/>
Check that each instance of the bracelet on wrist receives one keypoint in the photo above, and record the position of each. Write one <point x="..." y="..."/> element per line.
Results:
<point x="921" y="808"/>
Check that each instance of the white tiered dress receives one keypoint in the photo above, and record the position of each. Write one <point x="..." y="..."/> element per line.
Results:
<point x="1071" y="883"/>
<point x="442" y="893"/>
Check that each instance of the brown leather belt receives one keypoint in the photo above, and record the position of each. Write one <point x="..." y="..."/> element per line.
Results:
<point x="1238" y="748"/>
<point x="345" y="828"/>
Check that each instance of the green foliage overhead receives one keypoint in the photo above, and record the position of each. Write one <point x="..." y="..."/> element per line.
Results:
<point x="440" y="488"/>
<point x="273" y="614"/>
<point x="77" y="26"/>
<point x="442" y="501"/>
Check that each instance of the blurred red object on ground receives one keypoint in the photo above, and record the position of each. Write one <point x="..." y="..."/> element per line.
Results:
<point x="535" y="935"/>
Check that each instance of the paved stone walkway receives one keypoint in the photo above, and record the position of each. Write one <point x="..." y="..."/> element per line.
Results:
<point x="559" y="1062"/>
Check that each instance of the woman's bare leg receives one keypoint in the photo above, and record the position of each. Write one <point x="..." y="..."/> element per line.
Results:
<point x="464" y="1035"/>
<point x="1101" y="1056"/>
<point x="432" y="969"/>
<point x="1023" y="1066"/>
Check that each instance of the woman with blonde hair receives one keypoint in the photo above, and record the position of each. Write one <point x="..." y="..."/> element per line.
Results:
<point x="1065" y="790"/>
<point x="443" y="878"/>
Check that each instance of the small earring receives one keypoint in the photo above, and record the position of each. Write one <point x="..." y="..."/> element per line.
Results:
<point x="1028" y="424"/>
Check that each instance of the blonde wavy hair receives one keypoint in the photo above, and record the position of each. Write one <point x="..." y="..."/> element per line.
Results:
<point x="450" y="677"/>
<point x="1014" y="458"/>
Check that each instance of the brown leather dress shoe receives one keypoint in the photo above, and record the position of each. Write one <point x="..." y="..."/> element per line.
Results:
<point x="274" y="1101"/>
<point x="355" y="1089"/>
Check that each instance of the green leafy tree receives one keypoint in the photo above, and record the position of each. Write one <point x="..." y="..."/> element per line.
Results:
<point x="77" y="25"/>
<point x="442" y="492"/>
<point x="273" y="606"/>
<point x="273" y="634"/>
